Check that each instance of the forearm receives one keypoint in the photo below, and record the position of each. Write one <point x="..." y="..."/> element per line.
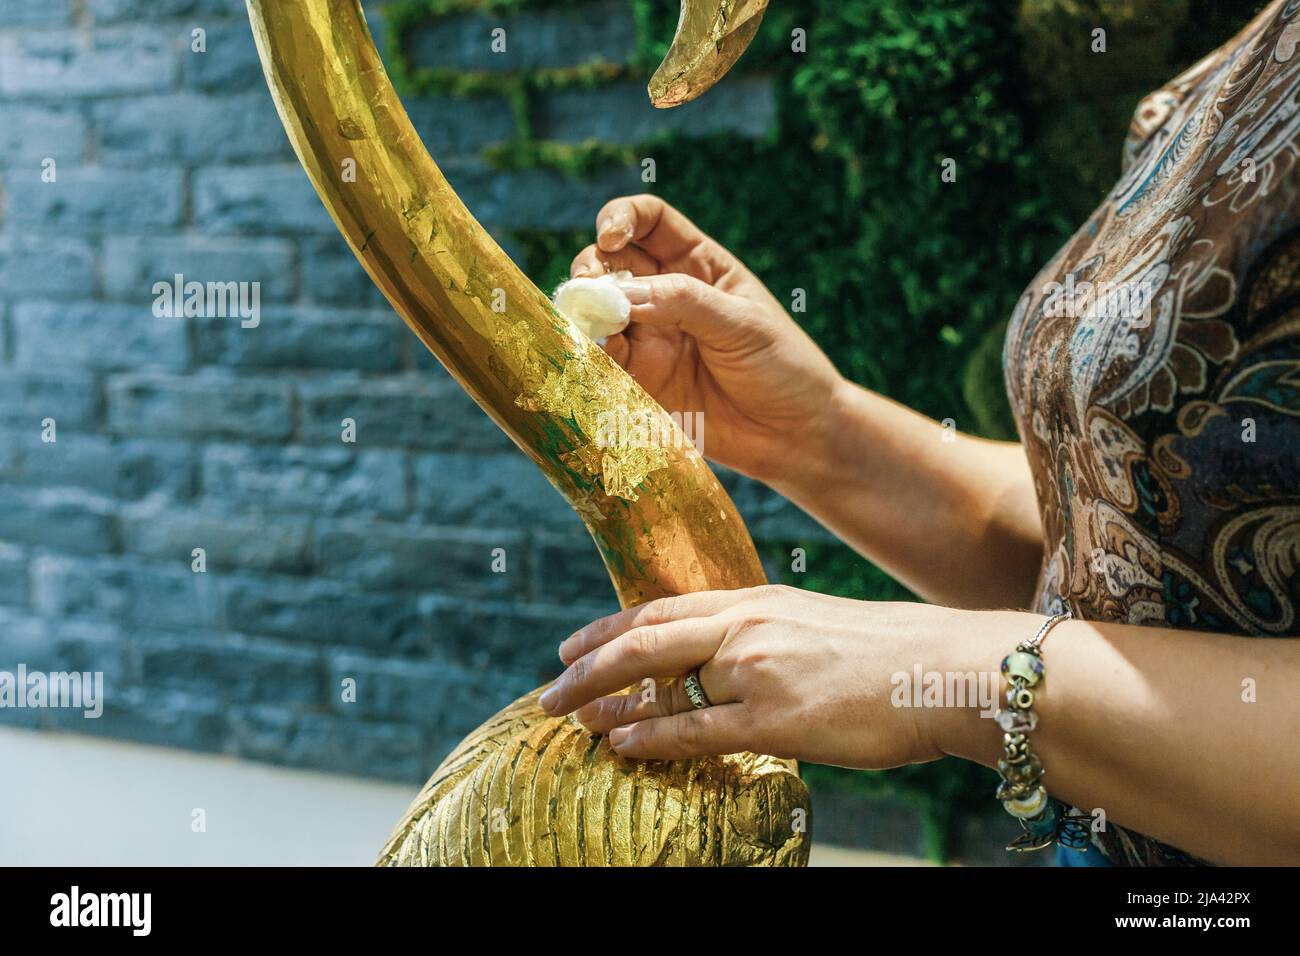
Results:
<point x="1190" y="738"/>
<point x="952" y="517"/>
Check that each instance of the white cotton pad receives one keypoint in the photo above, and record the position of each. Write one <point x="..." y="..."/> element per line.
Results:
<point x="597" y="306"/>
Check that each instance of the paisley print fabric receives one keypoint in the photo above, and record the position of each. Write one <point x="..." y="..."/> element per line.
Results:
<point x="1154" y="368"/>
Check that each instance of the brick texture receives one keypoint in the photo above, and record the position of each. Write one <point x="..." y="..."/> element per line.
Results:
<point x="326" y="563"/>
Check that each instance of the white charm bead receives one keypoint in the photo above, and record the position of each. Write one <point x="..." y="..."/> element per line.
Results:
<point x="1027" y="806"/>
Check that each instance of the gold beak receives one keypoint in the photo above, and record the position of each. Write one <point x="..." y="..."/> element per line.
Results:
<point x="711" y="36"/>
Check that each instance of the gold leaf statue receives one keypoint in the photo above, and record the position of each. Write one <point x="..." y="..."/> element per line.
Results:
<point x="527" y="789"/>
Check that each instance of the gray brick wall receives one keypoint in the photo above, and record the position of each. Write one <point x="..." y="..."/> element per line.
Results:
<point x="325" y="560"/>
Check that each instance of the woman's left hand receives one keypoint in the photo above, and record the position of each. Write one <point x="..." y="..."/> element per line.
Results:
<point x="787" y="672"/>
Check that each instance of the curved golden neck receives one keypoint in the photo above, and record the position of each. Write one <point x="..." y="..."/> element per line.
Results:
<point x="662" y="522"/>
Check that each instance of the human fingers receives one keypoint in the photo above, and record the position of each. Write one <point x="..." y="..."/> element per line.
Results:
<point x="660" y="611"/>
<point x="654" y="650"/>
<point x="722" y="729"/>
<point x="592" y="262"/>
<point x="665" y="233"/>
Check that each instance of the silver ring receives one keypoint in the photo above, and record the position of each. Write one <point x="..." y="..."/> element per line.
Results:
<point x="695" y="691"/>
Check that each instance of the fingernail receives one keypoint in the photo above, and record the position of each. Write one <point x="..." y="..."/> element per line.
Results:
<point x="567" y="647"/>
<point x="638" y="293"/>
<point x="618" y="737"/>
<point x="549" y="698"/>
<point x="587" y="713"/>
<point x="614" y="233"/>
<point x="579" y="269"/>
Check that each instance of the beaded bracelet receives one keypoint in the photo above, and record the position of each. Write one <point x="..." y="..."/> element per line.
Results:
<point x="1045" y="821"/>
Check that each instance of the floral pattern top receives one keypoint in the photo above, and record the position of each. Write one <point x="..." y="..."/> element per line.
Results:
<point x="1154" y="368"/>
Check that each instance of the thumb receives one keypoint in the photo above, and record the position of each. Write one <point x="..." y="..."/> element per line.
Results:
<point x="709" y="315"/>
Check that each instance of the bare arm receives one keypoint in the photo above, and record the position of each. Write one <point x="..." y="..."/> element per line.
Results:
<point x="1187" y="737"/>
<point x="952" y="517"/>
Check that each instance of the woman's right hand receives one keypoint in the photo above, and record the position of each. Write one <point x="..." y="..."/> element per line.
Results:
<point x="706" y="336"/>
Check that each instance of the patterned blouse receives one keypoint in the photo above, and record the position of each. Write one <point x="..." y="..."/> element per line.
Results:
<point x="1154" y="369"/>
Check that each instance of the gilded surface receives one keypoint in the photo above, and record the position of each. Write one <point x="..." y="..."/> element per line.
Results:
<point x="528" y="790"/>
<point x="525" y="788"/>
<point x="711" y="36"/>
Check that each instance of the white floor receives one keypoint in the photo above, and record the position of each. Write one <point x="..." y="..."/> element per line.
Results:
<point x="68" y="800"/>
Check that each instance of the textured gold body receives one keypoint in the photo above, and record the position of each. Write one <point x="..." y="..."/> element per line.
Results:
<point x="529" y="790"/>
<point x="711" y="36"/>
<point x="526" y="788"/>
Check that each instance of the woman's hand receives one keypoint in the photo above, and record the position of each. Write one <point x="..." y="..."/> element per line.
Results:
<point x="789" y="673"/>
<point x="706" y="336"/>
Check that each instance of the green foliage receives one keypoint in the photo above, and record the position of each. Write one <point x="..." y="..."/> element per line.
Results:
<point x="549" y="254"/>
<point x="1081" y="100"/>
<point x="575" y="160"/>
<point x="905" y="272"/>
<point x="909" y="278"/>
